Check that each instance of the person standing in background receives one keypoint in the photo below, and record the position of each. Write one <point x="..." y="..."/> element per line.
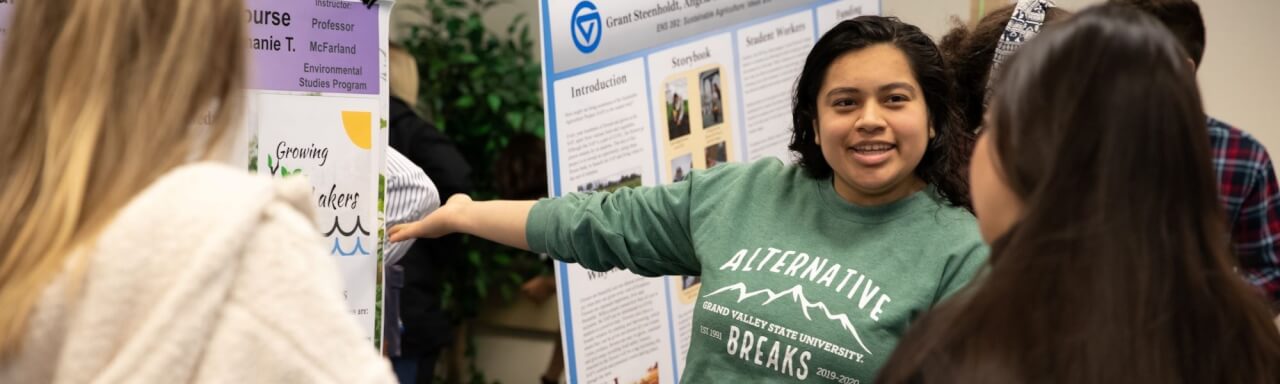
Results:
<point x="410" y="194"/>
<point x="520" y="173"/>
<point x="971" y="50"/>
<point x="121" y="261"/>
<point x="1246" y="175"/>
<point x="427" y="326"/>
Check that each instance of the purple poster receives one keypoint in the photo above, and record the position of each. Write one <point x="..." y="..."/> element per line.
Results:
<point x="328" y="46"/>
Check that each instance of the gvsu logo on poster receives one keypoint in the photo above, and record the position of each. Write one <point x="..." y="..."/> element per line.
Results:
<point x="586" y="27"/>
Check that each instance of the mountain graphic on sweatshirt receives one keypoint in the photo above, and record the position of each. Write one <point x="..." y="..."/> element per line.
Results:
<point x="796" y="294"/>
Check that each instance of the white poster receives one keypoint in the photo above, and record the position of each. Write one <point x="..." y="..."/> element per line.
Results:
<point x="642" y="93"/>
<point x="317" y="110"/>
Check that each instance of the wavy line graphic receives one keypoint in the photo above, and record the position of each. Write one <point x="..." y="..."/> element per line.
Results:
<point x="797" y="294"/>
<point x="358" y="249"/>
<point x="338" y="228"/>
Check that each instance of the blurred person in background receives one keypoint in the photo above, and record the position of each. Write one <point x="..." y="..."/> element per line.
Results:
<point x="1246" y="175"/>
<point x="427" y="325"/>
<point x="520" y="173"/>
<point x="410" y="194"/>
<point x="971" y="52"/>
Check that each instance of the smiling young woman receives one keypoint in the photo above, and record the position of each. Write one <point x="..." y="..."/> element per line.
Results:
<point x="872" y="125"/>
<point x="875" y="109"/>
<point x="871" y="230"/>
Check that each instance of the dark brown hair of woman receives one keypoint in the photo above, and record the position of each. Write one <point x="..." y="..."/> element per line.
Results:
<point x="1119" y="270"/>
<point x="969" y="51"/>
<point x="947" y="156"/>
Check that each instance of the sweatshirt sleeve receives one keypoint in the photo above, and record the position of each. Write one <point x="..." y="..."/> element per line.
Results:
<point x="962" y="268"/>
<point x="645" y="230"/>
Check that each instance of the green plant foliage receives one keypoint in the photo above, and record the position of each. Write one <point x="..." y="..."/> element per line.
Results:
<point x="382" y="237"/>
<point x="253" y="155"/>
<point x="478" y="87"/>
<point x="271" y="165"/>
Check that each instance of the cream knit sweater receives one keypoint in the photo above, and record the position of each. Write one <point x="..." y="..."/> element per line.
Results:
<point x="210" y="275"/>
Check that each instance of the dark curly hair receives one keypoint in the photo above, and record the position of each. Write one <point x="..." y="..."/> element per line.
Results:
<point x="969" y="52"/>
<point x="946" y="160"/>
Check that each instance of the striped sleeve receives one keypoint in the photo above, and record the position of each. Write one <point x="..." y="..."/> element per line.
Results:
<point x="410" y="196"/>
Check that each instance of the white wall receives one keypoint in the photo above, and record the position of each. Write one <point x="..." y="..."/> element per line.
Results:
<point x="1238" y="77"/>
<point x="934" y="17"/>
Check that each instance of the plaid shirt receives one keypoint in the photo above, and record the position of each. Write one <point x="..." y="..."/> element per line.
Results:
<point x="1247" y="182"/>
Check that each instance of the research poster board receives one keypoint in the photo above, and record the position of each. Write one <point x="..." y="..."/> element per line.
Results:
<point x="642" y="93"/>
<point x="317" y="109"/>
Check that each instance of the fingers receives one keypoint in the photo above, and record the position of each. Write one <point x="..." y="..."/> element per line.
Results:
<point x="397" y="233"/>
<point x="429" y="226"/>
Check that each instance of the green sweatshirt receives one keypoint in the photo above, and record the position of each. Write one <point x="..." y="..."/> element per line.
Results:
<point x="798" y="285"/>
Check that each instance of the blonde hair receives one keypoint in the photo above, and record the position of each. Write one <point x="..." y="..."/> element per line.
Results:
<point x="404" y="74"/>
<point x="98" y="100"/>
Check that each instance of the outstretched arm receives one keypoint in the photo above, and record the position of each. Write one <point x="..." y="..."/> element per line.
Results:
<point x="500" y="221"/>
<point x="645" y="230"/>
